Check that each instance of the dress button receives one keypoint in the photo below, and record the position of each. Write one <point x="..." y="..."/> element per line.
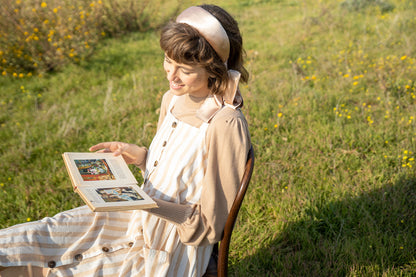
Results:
<point x="51" y="264"/>
<point x="105" y="249"/>
<point x="131" y="244"/>
<point x="174" y="125"/>
<point x="164" y="143"/>
<point x="155" y="164"/>
<point x="78" y="257"/>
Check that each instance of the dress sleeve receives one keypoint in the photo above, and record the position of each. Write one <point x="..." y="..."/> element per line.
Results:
<point x="227" y="143"/>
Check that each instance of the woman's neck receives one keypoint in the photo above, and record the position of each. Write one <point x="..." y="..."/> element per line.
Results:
<point x="193" y="101"/>
<point x="186" y="107"/>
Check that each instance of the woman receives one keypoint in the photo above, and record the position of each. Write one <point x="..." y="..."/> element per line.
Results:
<point x="192" y="170"/>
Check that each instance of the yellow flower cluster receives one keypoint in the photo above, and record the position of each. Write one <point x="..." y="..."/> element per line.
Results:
<point x="366" y="110"/>
<point x="407" y="159"/>
<point x="43" y="36"/>
<point x="341" y="111"/>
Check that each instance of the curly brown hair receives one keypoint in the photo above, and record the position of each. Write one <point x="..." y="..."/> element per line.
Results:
<point x="184" y="44"/>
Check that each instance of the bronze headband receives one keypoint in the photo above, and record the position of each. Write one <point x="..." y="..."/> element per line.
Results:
<point x="209" y="27"/>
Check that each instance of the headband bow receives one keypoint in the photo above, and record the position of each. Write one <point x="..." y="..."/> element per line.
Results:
<point x="211" y="29"/>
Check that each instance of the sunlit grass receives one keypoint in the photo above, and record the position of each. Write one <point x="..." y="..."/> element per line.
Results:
<point x="331" y="107"/>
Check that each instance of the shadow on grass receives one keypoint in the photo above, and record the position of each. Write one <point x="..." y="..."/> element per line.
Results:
<point x="371" y="233"/>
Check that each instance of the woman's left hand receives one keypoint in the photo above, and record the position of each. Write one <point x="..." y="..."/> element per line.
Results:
<point x="131" y="153"/>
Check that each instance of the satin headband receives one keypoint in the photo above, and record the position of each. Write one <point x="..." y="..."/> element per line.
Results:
<point x="209" y="27"/>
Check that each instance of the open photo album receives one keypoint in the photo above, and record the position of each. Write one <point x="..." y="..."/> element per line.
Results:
<point x="105" y="182"/>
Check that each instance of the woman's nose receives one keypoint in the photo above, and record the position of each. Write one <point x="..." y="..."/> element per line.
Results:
<point x="172" y="73"/>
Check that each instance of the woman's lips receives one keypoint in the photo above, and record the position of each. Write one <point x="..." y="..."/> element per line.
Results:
<point x="174" y="85"/>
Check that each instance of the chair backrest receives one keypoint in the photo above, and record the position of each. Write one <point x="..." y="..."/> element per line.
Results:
<point x="222" y="266"/>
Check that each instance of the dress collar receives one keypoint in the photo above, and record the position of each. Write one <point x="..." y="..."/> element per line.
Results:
<point x="231" y="98"/>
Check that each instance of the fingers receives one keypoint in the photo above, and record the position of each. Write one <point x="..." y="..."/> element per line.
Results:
<point x="117" y="148"/>
<point x="106" y="150"/>
<point x="101" y="146"/>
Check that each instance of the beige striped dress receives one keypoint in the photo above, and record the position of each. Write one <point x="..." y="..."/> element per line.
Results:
<point x="79" y="242"/>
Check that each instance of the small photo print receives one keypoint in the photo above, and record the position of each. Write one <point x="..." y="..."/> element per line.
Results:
<point x="94" y="170"/>
<point x="119" y="194"/>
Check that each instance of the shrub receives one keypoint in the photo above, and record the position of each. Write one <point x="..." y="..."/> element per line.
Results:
<point x="39" y="36"/>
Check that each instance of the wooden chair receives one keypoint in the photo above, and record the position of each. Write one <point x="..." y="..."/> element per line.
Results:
<point x="218" y="265"/>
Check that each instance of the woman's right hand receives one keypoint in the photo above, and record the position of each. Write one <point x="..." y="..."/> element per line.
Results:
<point x="131" y="153"/>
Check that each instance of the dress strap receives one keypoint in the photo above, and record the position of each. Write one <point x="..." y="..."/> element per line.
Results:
<point x="172" y="102"/>
<point x="204" y="126"/>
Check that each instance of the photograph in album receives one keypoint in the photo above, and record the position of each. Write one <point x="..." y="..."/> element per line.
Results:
<point x="105" y="182"/>
<point x="118" y="194"/>
<point x="94" y="170"/>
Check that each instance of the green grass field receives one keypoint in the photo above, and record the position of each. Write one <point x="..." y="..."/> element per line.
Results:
<point x="331" y="105"/>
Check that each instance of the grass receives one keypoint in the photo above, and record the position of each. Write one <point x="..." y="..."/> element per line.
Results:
<point x="331" y="107"/>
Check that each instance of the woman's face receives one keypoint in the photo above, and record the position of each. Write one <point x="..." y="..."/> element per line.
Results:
<point x="183" y="78"/>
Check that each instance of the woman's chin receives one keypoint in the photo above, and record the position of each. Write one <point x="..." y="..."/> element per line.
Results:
<point x="177" y="92"/>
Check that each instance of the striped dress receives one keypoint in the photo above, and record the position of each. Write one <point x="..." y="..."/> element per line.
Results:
<point x="79" y="242"/>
